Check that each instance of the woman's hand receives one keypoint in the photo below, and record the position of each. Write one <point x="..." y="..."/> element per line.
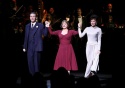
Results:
<point x="47" y="23"/>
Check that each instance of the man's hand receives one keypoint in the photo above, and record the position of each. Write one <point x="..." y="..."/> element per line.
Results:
<point x="79" y="25"/>
<point x="24" y="50"/>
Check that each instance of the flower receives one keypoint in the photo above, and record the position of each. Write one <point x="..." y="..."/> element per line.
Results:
<point x="36" y="26"/>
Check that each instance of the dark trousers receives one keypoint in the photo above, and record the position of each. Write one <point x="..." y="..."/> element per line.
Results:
<point x="33" y="61"/>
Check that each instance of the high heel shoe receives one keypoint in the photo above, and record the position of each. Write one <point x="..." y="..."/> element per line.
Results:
<point x="69" y="72"/>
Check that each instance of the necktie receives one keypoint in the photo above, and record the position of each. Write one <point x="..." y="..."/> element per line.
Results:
<point x="32" y="26"/>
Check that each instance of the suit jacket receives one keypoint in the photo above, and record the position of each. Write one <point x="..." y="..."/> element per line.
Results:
<point x="35" y="36"/>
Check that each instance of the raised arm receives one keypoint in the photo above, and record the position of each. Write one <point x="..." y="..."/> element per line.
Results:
<point x="99" y="38"/>
<point x="74" y="32"/>
<point x="50" y="29"/>
<point x="52" y="32"/>
<point x="81" y="34"/>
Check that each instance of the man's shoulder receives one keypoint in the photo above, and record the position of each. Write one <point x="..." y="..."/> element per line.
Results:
<point x="27" y="25"/>
<point x="84" y="17"/>
<point x="39" y="23"/>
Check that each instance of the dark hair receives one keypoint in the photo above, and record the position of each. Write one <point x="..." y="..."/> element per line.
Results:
<point x="94" y="17"/>
<point x="67" y="15"/>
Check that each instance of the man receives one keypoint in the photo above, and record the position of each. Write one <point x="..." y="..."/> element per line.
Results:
<point x="78" y="43"/>
<point x="33" y="43"/>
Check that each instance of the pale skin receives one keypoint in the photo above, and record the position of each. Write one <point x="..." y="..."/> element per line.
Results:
<point x="64" y="29"/>
<point x="93" y="23"/>
<point x="32" y="19"/>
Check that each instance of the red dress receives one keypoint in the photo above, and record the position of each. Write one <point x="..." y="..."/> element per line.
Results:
<point x="65" y="56"/>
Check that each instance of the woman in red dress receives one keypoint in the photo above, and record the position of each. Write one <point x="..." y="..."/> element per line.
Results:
<point x="65" y="56"/>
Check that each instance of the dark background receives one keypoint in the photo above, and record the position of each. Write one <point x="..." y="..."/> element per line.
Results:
<point x="113" y="52"/>
<point x="61" y="8"/>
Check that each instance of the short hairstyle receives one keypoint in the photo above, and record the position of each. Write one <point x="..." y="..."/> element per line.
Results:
<point x="68" y="15"/>
<point x="33" y="13"/>
<point x="94" y="17"/>
<point x="63" y="22"/>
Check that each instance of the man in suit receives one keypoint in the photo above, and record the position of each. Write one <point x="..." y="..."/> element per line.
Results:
<point x="33" y="43"/>
<point x="80" y="43"/>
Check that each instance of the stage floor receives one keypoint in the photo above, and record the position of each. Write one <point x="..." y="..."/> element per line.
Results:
<point x="104" y="78"/>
